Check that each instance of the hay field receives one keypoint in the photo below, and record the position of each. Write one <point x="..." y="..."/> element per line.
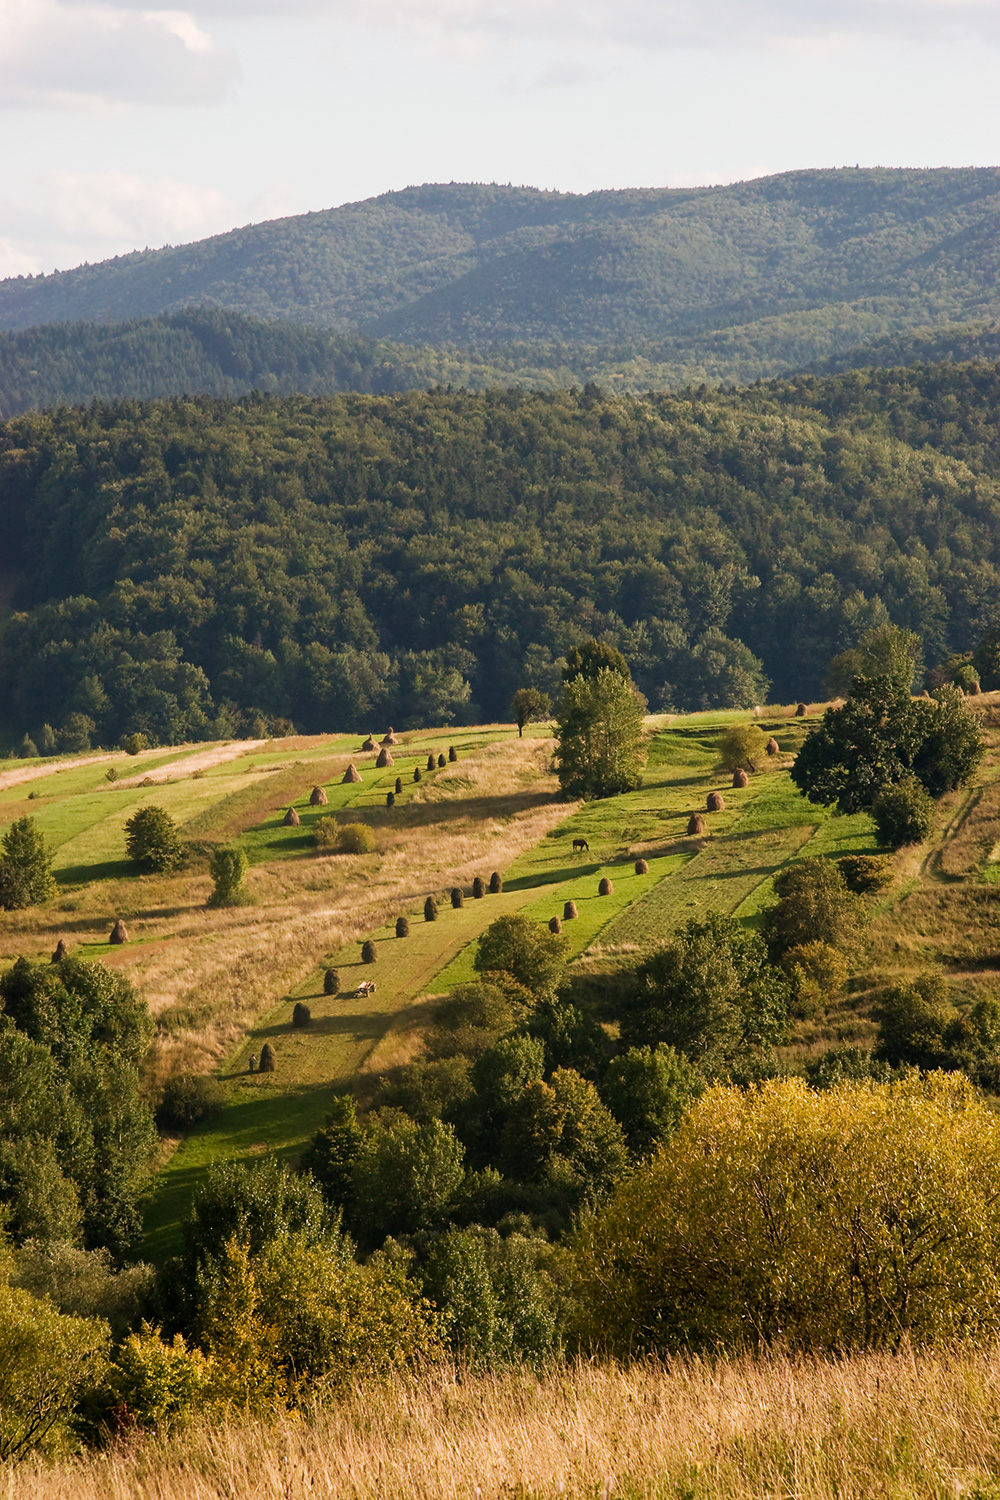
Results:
<point x="911" y="1427"/>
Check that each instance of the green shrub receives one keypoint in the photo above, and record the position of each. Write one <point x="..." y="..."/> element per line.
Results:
<point x="742" y="745"/>
<point x="152" y="841"/>
<point x="111" y="774"/>
<point x="864" y="874"/>
<point x="25" y="866"/>
<point x="154" y="1385"/>
<point x="188" y="1098"/>
<point x="524" y="949"/>
<point x="229" y="868"/>
<point x="903" y="814"/>
<point x="355" y="838"/>
<point x="134" y="744"/>
<point x="814" y="904"/>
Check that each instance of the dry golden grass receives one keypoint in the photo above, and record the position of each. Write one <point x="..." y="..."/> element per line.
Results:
<point x="890" y="1425"/>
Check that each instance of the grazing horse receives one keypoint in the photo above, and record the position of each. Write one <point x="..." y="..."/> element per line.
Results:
<point x="580" y="844"/>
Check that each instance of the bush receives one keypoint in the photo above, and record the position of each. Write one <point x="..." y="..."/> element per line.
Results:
<point x="742" y="745"/>
<point x="25" y="866"/>
<point x="134" y="744"/>
<point x="817" y="972"/>
<point x="301" y="1015"/>
<point x="858" y="1217"/>
<point x="153" y="1385"/>
<point x="864" y="874"/>
<point x="229" y="869"/>
<point x="344" y="838"/>
<point x="188" y="1098"/>
<point x="368" y="952"/>
<point x="111" y="774"/>
<point x="903" y="814"/>
<point x="517" y="946"/>
<point x="814" y="904"/>
<point x="152" y="841"/>
<point x="331" y="982"/>
<point x="405" y="1178"/>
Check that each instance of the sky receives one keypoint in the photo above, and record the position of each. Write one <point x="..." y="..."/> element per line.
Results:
<point x="125" y="127"/>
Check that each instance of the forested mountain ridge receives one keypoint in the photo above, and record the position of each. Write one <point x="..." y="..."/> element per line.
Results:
<point x="199" y="567"/>
<point x="774" y="273"/>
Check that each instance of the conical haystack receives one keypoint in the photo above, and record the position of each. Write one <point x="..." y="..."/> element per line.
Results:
<point x="62" y="951"/>
<point x="715" y="802"/>
<point x="369" y="744"/>
<point x="318" y="797"/>
<point x="800" y="711"/>
<point x="350" y="776"/>
<point x="605" y="888"/>
<point x="431" y="762"/>
<point x="384" y="758"/>
<point x="119" y="932"/>
<point x="740" y="778"/>
<point x="496" y="884"/>
<point x="570" y="911"/>
<point x="291" y="818"/>
<point x="390" y="738"/>
<point x="555" y="925"/>
<point x="772" y="746"/>
<point x="696" y="825"/>
<point x="266" y="1064"/>
<point x="641" y="867"/>
<point x="478" y="888"/>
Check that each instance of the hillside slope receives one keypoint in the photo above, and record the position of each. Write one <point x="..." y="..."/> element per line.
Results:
<point x="847" y="255"/>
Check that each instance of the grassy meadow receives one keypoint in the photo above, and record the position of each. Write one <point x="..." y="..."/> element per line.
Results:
<point x="221" y="983"/>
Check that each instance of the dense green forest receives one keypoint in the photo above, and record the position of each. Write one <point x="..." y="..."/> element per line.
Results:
<point x="203" y="567"/>
<point x="206" y="351"/>
<point x="650" y="287"/>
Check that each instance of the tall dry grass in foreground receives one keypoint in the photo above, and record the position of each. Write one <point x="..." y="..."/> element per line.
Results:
<point x="877" y="1425"/>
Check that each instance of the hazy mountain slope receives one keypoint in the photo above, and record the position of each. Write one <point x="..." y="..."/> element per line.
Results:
<point x="469" y="265"/>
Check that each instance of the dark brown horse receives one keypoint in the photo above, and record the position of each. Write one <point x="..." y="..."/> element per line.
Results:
<point x="580" y="844"/>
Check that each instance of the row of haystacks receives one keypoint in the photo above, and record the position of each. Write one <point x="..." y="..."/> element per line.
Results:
<point x="352" y="776"/>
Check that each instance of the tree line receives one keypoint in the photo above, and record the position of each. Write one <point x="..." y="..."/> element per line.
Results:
<point x="199" y="568"/>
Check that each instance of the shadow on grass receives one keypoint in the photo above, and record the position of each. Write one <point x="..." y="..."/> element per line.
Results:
<point x="111" y="869"/>
<point x="352" y="1023"/>
<point x="552" y="877"/>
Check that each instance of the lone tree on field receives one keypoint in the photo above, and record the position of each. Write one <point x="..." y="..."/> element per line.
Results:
<point x="151" y="840"/>
<point x="599" y="750"/>
<point x="529" y="705"/>
<point x="25" y="866"/>
<point x="515" y="945"/>
<point x="742" y="745"/>
<point x="886" y="651"/>
<point x="229" y="868"/>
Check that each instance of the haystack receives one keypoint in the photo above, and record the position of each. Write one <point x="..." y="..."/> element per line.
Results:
<point x="369" y="744"/>
<point x="291" y="818"/>
<point x="715" y="802"/>
<point x="452" y="753"/>
<point x="441" y="762"/>
<point x="416" y="773"/>
<point x="800" y="710"/>
<point x="331" y="982"/>
<point x="350" y="776"/>
<point x="430" y="910"/>
<point x="368" y="952"/>
<point x="605" y="888"/>
<point x="318" y="797"/>
<point x="384" y="758"/>
<point x="431" y="762"/>
<point x="266" y="1064"/>
<point x="696" y="825"/>
<point x="496" y="884"/>
<point x="570" y="911"/>
<point x="399" y="785"/>
<point x="457" y="897"/>
<point x="402" y="927"/>
<point x="62" y="951"/>
<point x="119" y="932"/>
<point x="773" y="748"/>
<point x="390" y="738"/>
<point x="555" y="925"/>
<point x="740" y="778"/>
<point x="478" y="889"/>
<point x="641" y="867"/>
<point x="390" y="799"/>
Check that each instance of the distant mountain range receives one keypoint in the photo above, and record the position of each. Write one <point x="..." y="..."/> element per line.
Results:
<point x="484" y="284"/>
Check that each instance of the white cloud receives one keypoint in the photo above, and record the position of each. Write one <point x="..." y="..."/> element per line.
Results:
<point x="53" y="54"/>
<point x="77" y="216"/>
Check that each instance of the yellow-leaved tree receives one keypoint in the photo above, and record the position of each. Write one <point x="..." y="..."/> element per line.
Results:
<point x="854" y="1218"/>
